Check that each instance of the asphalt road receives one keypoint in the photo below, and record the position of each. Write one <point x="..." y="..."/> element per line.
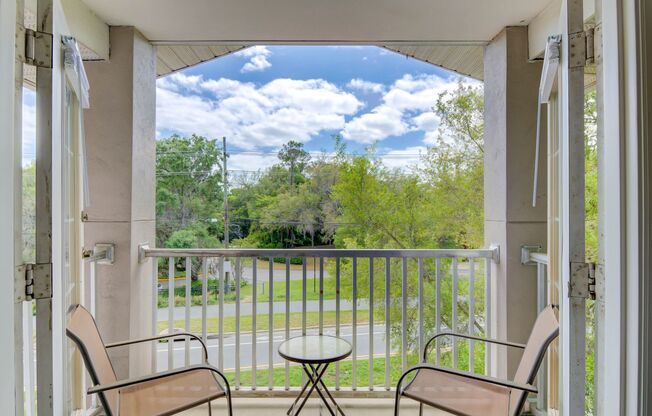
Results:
<point x="262" y="345"/>
<point x="262" y="308"/>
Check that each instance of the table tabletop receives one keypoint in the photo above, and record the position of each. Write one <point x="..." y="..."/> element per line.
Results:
<point x="313" y="349"/>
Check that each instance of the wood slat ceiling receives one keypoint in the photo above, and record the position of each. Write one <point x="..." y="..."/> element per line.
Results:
<point x="171" y="58"/>
<point x="465" y="60"/>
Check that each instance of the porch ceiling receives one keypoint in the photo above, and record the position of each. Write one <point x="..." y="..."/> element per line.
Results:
<point x="290" y="21"/>
<point x="444" y="33"/>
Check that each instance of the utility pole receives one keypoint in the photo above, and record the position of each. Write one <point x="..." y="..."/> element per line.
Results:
<point x="226" y="191"/>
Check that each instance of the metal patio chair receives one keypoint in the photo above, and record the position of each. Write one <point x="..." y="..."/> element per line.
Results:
<point x="468" y="394"/>
<point x="158" y="394"/>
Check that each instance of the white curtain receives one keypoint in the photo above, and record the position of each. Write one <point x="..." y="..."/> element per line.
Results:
<point x="76" y="75"/>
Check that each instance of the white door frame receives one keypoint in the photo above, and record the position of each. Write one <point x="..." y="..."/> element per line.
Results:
<point x="11" y="387"/>
<point x="45" y="202"/>
<point x="572" y="309"/>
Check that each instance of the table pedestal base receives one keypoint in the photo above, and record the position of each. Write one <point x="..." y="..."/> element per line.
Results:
<point x="315" y="383"/>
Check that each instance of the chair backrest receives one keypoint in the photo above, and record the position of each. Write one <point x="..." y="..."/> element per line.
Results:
<point x="82" y="329"/>
<point x="545" y="330"/>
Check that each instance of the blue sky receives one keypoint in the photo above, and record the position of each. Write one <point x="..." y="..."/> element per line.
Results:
<point x="261" y="97"/>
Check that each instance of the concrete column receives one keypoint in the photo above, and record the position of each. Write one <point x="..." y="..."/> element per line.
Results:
<point x="511" y="89"/>
<point x="120" y="137"/>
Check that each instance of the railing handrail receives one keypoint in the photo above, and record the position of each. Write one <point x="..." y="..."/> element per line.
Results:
<point x="541" y="258"/>
<point x="317" y="252"/>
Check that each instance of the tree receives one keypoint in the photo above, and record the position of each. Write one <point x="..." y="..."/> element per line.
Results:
<point x="189" y="186"/>
<point x="293" y="156"/>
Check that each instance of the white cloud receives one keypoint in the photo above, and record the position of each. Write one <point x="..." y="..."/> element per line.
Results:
<point x="409" y="157"/>
<point x="383" y="121"/>
<point x="406" y="106"/>
<point x="252" y="116"/>
<point x="257" y="58"/>
<point x="366" y="86"/>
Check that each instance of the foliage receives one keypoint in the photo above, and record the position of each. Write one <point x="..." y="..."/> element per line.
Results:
<point x="189" y="189"/>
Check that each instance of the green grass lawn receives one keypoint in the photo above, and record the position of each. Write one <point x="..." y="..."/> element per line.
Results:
<point x="246" y="293"/>
<point x="312" y="319"/>
<point x="346" y="374"/>
<point x="362" y="370"/>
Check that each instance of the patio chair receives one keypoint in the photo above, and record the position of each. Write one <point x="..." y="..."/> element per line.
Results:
<point x="467" y="394"/>
<point x="164" y="393"/>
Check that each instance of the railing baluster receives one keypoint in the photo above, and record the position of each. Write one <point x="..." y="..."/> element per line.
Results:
<point x="421" y="316"/>
<point x="254" y="311"/>
<point x="304" y="296"/>
<point x="337" y="317"/>
<point x="388" y="343"/>
<point x="438" y="301"/>
<point x="154" y="313"/>
<point x="204" y="300"/>
<point x="454" y="311"/>
<point x="406" y="301"/>
<point x="404" y="304"/>
<point x="287" y="318"/>
<point x="270" y="329"/>
<point x="487" y="314"/>
<point x="171" y="270"/>
<point x="188" y="302"/>
<point x="321" y="295"/>
<point x="471" y="314"/>
<point x="371" y="323"/>
<point x="222" y="277"/>
<point x="237" y="323"/>
<point x="354" y="322"/>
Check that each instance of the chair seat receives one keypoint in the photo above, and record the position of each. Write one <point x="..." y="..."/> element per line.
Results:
<point x="170" y="395"/>
<point x="458" y="395"/>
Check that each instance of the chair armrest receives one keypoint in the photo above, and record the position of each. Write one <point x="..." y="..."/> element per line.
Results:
<point x="458" y="335"/>
<point x="159" y="337"/>
<point x="477" y="377"/>
<point x="156" y="376"/>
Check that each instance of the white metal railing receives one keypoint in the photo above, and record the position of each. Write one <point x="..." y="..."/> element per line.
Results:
<point x="540" y="260"/>
<point x="380" y="285"/>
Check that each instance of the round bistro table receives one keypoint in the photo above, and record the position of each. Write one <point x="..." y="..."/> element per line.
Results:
<point x="314" y="353"/>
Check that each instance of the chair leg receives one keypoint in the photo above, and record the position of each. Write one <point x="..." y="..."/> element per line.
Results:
<point x="396" y="402"/>
<point x="420" y="409"/>
<point x="228" y="400"/>
<point x="210" y="410"/>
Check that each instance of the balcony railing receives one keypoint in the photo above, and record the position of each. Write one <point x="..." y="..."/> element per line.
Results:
<point x="387" y="303"/>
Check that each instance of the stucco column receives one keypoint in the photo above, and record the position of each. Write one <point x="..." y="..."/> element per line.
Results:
<point x="120" y="149"/>
<point x="511" y="89"/>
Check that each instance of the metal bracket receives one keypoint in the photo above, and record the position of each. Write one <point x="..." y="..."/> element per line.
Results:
<point x="597" y="44"/>
<point x="142" y="248"/>
<point x="33" y="47"/>
<point x="495" y="257"/>
<point x="577" y="52"/>
<point x="582" y="48"/>
<point x="582" y="280"/>
<point x="20" y="43"/>
<point x="102" y="253"/>
<point x="525" y="254"/>
<point x="23" y="279"/>
<point x="33" y="281"/>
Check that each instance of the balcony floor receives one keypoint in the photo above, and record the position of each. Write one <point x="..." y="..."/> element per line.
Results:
<point x="279" y="406"/>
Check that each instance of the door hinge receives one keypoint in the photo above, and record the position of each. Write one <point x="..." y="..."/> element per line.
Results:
<point x="33" y="281"/>
<point x="582" y="280"/>
<point x="582" y="48"/>
<point x="33" y="47"/>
